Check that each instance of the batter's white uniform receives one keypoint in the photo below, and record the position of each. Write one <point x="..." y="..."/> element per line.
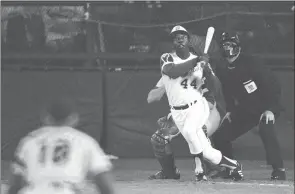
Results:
<point x="214" y="119"/>
<point x="56" y="160"/>
<point x="185" y="91"/>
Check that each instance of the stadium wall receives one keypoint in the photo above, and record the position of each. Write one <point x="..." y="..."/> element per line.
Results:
<point x="130" y="120"/>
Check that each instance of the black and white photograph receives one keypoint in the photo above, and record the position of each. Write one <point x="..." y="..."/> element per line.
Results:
<point x="147" y="97"/>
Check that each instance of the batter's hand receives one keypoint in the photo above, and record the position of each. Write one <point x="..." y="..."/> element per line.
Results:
<point x="269" y="116"/>
<point x="204" y="58"/>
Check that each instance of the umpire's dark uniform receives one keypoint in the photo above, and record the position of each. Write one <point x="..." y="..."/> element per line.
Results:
<point x="249" y="89"/>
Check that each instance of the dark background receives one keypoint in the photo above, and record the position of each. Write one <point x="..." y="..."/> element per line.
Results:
<point x="108" y="63"/>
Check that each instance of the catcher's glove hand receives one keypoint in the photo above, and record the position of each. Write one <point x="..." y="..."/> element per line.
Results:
<point x="165" y="122"/>
<point x="167" y="127"/>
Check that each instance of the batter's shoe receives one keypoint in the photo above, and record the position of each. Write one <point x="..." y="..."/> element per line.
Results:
<point x="201" y="177"/>
<point x="161" y="175"/>
<point x="237" y="174"/>
<point x="223" y="173"/>
<point x="278" y="174"/>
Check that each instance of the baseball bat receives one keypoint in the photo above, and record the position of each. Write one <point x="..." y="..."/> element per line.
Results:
<point x="209" y="36"/>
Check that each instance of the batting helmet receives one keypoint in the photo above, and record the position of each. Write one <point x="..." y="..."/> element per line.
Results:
<point x="179" y="29"/>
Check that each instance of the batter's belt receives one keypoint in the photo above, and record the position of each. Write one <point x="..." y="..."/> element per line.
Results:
<point x="183" y="107"/>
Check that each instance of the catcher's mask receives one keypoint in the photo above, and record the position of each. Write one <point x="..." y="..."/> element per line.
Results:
<point x="230" y="45"/>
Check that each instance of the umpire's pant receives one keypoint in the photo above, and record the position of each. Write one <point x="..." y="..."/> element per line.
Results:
<point x="242" y="122"/>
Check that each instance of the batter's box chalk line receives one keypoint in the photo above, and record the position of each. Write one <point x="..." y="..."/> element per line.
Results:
<point x="242" y="183"/>
<point x="252" y="184"/>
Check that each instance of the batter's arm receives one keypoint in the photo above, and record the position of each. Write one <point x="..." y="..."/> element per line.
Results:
<point x="155" y="94"/>
<point x="197" y="45"/>
<point x="169" y="68"/>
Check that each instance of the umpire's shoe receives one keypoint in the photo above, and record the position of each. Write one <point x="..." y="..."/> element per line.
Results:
<point x="237" y="174"/>
<point x="161" y="175"/>
<point x="278" y="174"/>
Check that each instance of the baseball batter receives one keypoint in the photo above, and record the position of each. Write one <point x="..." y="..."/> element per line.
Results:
<point x="161" y="139"/>
<point x="57" y="158"/>
<point x="182" y="76"/>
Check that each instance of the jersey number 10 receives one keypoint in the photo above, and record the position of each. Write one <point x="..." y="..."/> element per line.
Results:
<point x="60" y="153"/>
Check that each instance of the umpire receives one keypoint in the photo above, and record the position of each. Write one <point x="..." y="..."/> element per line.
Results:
<point x="252" y="94"/>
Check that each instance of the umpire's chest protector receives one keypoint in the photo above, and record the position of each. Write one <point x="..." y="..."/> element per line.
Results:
<point x="244" y="86"/>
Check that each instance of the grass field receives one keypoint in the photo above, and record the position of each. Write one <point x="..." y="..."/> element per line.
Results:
<point x="131" y="178"/>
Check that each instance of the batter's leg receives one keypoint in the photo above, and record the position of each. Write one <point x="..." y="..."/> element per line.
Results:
<point x="196" y="117"/>
<point x="215" y="157"/>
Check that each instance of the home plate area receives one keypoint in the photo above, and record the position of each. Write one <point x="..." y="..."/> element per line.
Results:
<point x="131" y="177"/>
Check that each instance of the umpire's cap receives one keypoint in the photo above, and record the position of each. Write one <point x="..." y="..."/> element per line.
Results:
<point x="178" y="29"/>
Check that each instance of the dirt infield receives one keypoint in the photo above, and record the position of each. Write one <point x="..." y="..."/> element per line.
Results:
<point x="131" y="178"/>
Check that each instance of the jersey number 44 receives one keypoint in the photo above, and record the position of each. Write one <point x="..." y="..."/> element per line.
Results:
<point x="185" y="83"/>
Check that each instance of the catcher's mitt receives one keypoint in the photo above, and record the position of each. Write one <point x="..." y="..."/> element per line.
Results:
<point x="167" y="126"/>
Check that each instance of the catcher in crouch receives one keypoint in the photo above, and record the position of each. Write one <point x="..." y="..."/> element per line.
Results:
<point x="199" y="146"/>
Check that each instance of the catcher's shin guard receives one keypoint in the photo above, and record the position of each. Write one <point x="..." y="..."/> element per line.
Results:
<point x="163" y="152"/>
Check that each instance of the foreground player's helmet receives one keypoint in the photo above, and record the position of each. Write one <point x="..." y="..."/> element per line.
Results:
<point x="178" y="29"/>
<point x="230" y="45"/>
